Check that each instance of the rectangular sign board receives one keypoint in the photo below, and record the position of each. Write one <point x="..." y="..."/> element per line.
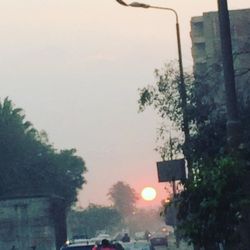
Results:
<point x="171" y="170"/>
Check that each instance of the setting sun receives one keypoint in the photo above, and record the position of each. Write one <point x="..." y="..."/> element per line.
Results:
<point x="148" y="193"/>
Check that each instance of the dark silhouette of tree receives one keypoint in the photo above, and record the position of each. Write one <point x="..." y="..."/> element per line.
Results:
<point x="29" y="165"/>
<point x="93" y="219"/>
<point x="123" y="198"/>
<point x="216" y="200"/>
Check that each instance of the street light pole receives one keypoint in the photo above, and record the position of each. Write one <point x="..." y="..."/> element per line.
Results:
<point x="182" y="88"/>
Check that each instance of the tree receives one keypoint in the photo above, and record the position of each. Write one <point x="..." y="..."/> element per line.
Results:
<point x="93" y="219"/>
<point x="216" y="195"/>
<point x="123" y="198"/>
<point x="29" y="165"/>
<point x="164" y="97"/>
<point x="168" y="145"/>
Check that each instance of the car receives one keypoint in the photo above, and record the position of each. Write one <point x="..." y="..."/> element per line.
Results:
<point x="78" y="245"/>
<point x="140" y="235"/>
<point x="158" y="241"/>
<point x="136" y="245"/>
<point x="103" y="236"/>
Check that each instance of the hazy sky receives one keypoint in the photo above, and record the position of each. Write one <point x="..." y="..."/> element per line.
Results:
<point x="75" y="67"/>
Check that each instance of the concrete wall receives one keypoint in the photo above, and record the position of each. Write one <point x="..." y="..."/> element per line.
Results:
<point x="31" y="222"/>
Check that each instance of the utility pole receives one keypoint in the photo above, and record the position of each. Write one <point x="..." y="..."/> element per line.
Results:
<point x="233" y="122"/>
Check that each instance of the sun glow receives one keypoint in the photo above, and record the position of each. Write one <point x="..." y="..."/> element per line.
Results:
<point x="148" y="194"/>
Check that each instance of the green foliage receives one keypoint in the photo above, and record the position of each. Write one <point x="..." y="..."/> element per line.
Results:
<point x="30" y="165"/>
<point x="123" y="198"/>
<point x="216" y="198"/>
<point x="93" y="219"/>
<point x="164" y="96"/>
<point x="211" y="204"/>
<point x="168" y="146"/>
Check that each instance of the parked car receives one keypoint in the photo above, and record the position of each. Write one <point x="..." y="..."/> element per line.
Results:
<point x="78" y="245"/>
<point x="140" y="236"/>
<point x="136" y="245"/>
<point x="157" y="241"/>
<point x="103" y="236"/>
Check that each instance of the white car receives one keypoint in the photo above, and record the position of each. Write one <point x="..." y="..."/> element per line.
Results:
<point x="78" y="246"/>
<point x="136" y="245"/>
<point x="103" y="236"/>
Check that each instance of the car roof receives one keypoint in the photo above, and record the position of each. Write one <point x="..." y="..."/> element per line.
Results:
<point x="82" y="241"/>
<point x="82" y="245"/>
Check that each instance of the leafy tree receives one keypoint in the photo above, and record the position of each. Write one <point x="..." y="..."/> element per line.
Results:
<point x="164" y="97"/>
<point x="168" y="145"/>
<point x="123" y="198"/>
<point x="30" y="165"/>
<point x="93" y="219"/>
<point x="210" y="206"/>
<point x="217" y="193"/>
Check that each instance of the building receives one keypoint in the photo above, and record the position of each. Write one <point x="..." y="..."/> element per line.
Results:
<point x="32" y="222"/>
<point x="206" y="52"/>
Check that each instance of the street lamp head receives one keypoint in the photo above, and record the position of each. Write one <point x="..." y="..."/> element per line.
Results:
<point x="134" y="4"/>
<point x="121" y="2"/>
<point x="140" y="5"/>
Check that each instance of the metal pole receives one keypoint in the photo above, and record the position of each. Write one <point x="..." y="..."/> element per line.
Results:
<point x="233" y="122"/>
<point x="182" y="88"/>
<point x="182" y="91"/>
<point x="183" y="95"/>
